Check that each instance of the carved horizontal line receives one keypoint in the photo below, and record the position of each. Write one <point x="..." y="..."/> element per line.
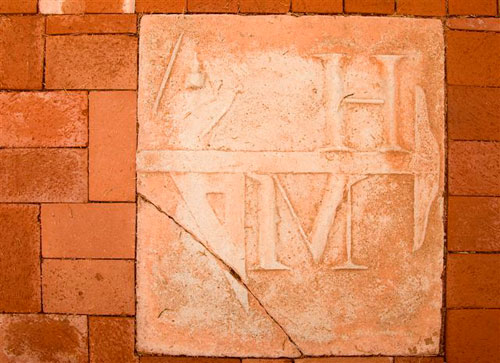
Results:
<point x="338" y="162"/>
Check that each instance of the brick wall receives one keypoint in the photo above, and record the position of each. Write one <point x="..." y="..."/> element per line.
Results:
<point x="67" y="173"/>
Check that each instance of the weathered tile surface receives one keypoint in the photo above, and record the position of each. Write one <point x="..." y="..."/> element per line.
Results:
<point x="290" y="173"/>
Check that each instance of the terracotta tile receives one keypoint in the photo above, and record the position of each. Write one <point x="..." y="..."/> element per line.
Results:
<point x="369" y="6"/>
<point x="240" y="148"/>
<point x="19" y="258"/>
<point x="160" y="6"/>
<point x="257" y="360"/>
<point x="43" y="175"/>
<point x="22" y="36"/>
<point x="86" y="6"/>
<point x="422" y="7"/>
<point x="98" y="287"/>
<point x="113" y="133"/>
<point x="43" y="338"/>
<point x="418" y="360"/>
<point x="346" y="360"/>
<point x="101" y="230"/>
<point x="473" y="224"/>
<point x="43" y="119"/>
<point x="317" y="6"/>
<point x="188" y="360"/>
<point x="472" y="7"/>
<point x="111" y="340"/>
<point x="264" y="6"/>
<point x="473" y="113"/>
<point x="91" y="62"/>
<point x="474" y="168"/>
<point x="472" y="336"/>
<point x="483" y="24"/>
<point x="212" y="6"/>
<point x="82" y="24"/>
<point x="473" y="281"/>
<point x="472" y="58"/>
<point x="18" y="6"/>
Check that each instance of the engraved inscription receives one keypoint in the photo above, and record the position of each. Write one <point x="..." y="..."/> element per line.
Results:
<point x="289" y="173"/>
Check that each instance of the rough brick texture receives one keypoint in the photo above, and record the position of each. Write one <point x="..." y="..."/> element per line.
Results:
<point x="86" y="6"/>
<point x="21" y="38"/>
<point x="472" y="336"/>
<point x="473" y="281"/>
<point x="187" y="360"/>
<point x="474" y="168"/>
<point x="346" y="360"/>
<point x="317" y="6"/>
<point x="91" y="62"/>
<point x="101" y="287"/>
<point x="486" y="24"/>
<point x="473" y="113"/>
<point x="264" y="6"/>
<point x="473" y="58"/>
<point x="112" y="145"/>
<point x="43" y="175"/>
<point x="43" y="119"/>
<point x="212" y="6"/>
<point x="422" y="7"/>
<point x="474" y="224"/>
<point x="472" y="7"/>
<point x="111" y="340"/>
<point x="369" y="6"/>
<point x="160" y="6"/>
<point x="97" y="24"/>
<point x="18" y="6"/>
<point x="100" y="230"/>
<point x="43" y="339"/>
<point x="19" y="258"/>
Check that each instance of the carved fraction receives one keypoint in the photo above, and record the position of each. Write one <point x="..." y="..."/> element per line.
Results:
<point x="263" y="227"/>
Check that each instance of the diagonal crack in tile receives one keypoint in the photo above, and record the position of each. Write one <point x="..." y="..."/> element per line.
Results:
<point x="233" y="273"/>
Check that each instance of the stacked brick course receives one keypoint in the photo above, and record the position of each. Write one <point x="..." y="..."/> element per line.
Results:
<point x="67" y="174"/>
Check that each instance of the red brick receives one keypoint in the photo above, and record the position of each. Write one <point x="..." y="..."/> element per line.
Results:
<point x="86" y="6"/>
<point x="346" y="360"/>
<point x="264" y="6"/>
<point x="43" y="338"/>
<point x="19" y="258"/>
<point x="113" y="134"/>
<point x="474" y="168"/>
<point x="160" y="6"/>
<point x="91" y="62"/>
<point x="472" y="336"/>
<point x="18" y="6"/>
<point x="43" y="175"/>
<point x="100" y="230"/>
<point x="82" y="24"/>
<point x="473" y="224"/>
<point x="473" y="58"/>
<point x="418" y="360"/>
<point x="473" y="281"/>
<point x="484" y="24"/>
<point x="98" y="287"/>
<point x="212" y="6"/>
<point x="21" y="59"/>
<point x="421" y="7"/>
<point x="369" y="6"/>
<point x="317" y="6"/>
<point x="263" y="360"/>
<point x="112" y="340"/>
<point x="473" y="113"/>
<point x="188" y="360"/>
<point x="472" y="7"/>
<point x="43" y="119"/>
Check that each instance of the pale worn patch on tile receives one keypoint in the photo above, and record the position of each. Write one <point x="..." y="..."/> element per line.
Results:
<point x="290" y="173"/>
